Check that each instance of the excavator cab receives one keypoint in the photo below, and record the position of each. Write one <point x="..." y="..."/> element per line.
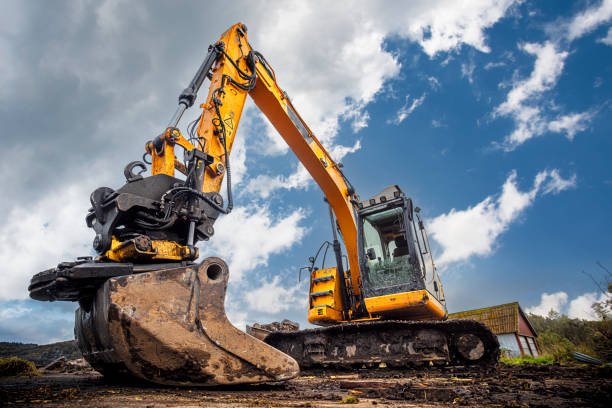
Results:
<point x="399" y="278"/>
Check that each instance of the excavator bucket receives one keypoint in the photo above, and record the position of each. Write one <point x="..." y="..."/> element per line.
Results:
<point x="169" y="326"/>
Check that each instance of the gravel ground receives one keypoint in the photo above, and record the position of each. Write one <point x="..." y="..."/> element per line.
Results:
<point x="508" y="386"/>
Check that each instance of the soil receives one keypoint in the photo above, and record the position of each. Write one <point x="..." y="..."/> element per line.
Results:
<point x="507" y="386"/>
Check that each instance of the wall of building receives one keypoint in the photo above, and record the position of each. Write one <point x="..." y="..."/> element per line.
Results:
<point x="508" y="343"/>
<point x="523" y="327"/>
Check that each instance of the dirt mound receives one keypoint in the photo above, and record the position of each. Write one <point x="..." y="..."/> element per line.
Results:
<point x="61" y="365"/>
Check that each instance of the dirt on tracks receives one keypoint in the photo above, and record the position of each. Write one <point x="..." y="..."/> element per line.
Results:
<point x="508" y="386"/>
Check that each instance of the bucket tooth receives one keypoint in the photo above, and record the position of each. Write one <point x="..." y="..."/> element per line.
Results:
<point x="169" y="327"/>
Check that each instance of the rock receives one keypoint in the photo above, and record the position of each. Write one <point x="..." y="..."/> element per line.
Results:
<point x="58" y="364"/>
<point x="62" y="366"/>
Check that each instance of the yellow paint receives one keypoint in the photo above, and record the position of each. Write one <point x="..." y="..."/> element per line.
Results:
<point x="419" y="304"/>
<point x="127" y="251"/>
<point x="235" y="45"/>
<point x="326" y="308"/>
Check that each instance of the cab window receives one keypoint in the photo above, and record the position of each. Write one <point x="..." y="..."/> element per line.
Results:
<point x="387" y="255"/>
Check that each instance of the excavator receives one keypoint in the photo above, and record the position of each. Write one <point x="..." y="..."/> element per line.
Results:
<point x="149" y="309"/>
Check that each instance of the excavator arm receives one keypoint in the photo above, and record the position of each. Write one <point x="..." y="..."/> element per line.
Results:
<point x="236" y="70"/>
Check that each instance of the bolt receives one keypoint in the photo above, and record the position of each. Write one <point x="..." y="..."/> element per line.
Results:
<point x="142" y="243"/>
<point x="97" y="242"/>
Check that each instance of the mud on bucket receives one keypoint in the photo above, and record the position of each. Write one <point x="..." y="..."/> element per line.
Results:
<point x="169" y="327"/>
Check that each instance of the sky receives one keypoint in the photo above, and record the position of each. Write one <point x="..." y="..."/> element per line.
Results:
<point x="494" y="116"/>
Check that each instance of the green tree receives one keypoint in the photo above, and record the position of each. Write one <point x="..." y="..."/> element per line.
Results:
<point x="603" y="308"/>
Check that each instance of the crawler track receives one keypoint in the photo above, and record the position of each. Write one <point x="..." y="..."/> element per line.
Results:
<point x="395" y="343"/>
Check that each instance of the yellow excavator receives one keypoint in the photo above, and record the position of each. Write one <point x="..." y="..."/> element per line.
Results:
<point x="148" y="309"/>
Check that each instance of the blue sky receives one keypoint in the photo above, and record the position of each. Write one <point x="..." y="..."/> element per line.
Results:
<point x="494" y="116"/>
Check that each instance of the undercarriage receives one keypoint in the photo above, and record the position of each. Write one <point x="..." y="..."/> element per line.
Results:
<point x="394" y="343"/>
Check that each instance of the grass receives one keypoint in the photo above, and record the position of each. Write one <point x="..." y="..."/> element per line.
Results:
<point x="543" y="359"/>
<point x="16" y="367"/>
<point x="350" y="400"/>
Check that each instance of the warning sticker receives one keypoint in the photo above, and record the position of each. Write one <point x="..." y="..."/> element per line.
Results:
<point x="229" y="120"/>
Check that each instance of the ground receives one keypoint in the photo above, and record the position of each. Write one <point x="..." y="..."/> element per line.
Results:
<point x="508" y="386"/>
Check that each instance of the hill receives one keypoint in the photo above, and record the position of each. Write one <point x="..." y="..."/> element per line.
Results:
<point x="40" y="355"/>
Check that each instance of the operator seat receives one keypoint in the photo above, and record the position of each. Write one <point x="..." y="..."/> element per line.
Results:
<point x="401" y="247"/>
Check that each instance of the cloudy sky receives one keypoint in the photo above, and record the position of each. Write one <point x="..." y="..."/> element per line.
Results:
<point x="494" y="116"/>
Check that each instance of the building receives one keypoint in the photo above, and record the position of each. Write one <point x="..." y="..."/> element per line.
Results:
<point x="510" y="324"/>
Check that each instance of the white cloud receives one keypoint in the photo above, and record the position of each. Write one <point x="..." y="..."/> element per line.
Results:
<point x="264" y="185"/>
<point x="407" y="109"/>
<point x="239" y="147"/>
<point x="235" y="313"/>
<point x="13" y="312"/>
<point x="325" y="87"/>
<point x="571" y="124"/>
<point x="547" y="69"/>
<point x="273" y="145"/>
<point x="437" y="123"/>
<point x="440" y="26"/>
<point x="467" y="71"/>
<point x="581" y="306"/>
<point x="522" y="102"/>
<point x="329" y="87"/>
<point x="447" y="60"/>
<point x="608" y="38"/>
<point x="40" y="324"/>
<point x="589" y="19"/>
<point x="555" y="301"/>
<point x="578" y="308"/>
<point x="39" y="236"/>
<point x="474" y="231"/>
<point x="491" y="65"/>
<point x="338" y="152"/>
<point x="434" y="83"/>
<point x="358" y="117"/>
<point x="598" y="82"/>
<point x="249" y="236"/>
<point x="272" y="297"/>
<point x="556" y="184"/>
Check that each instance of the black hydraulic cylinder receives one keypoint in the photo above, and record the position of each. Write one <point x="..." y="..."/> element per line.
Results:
<point x="339" y="265"/>
<point x="189" y="94"/>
